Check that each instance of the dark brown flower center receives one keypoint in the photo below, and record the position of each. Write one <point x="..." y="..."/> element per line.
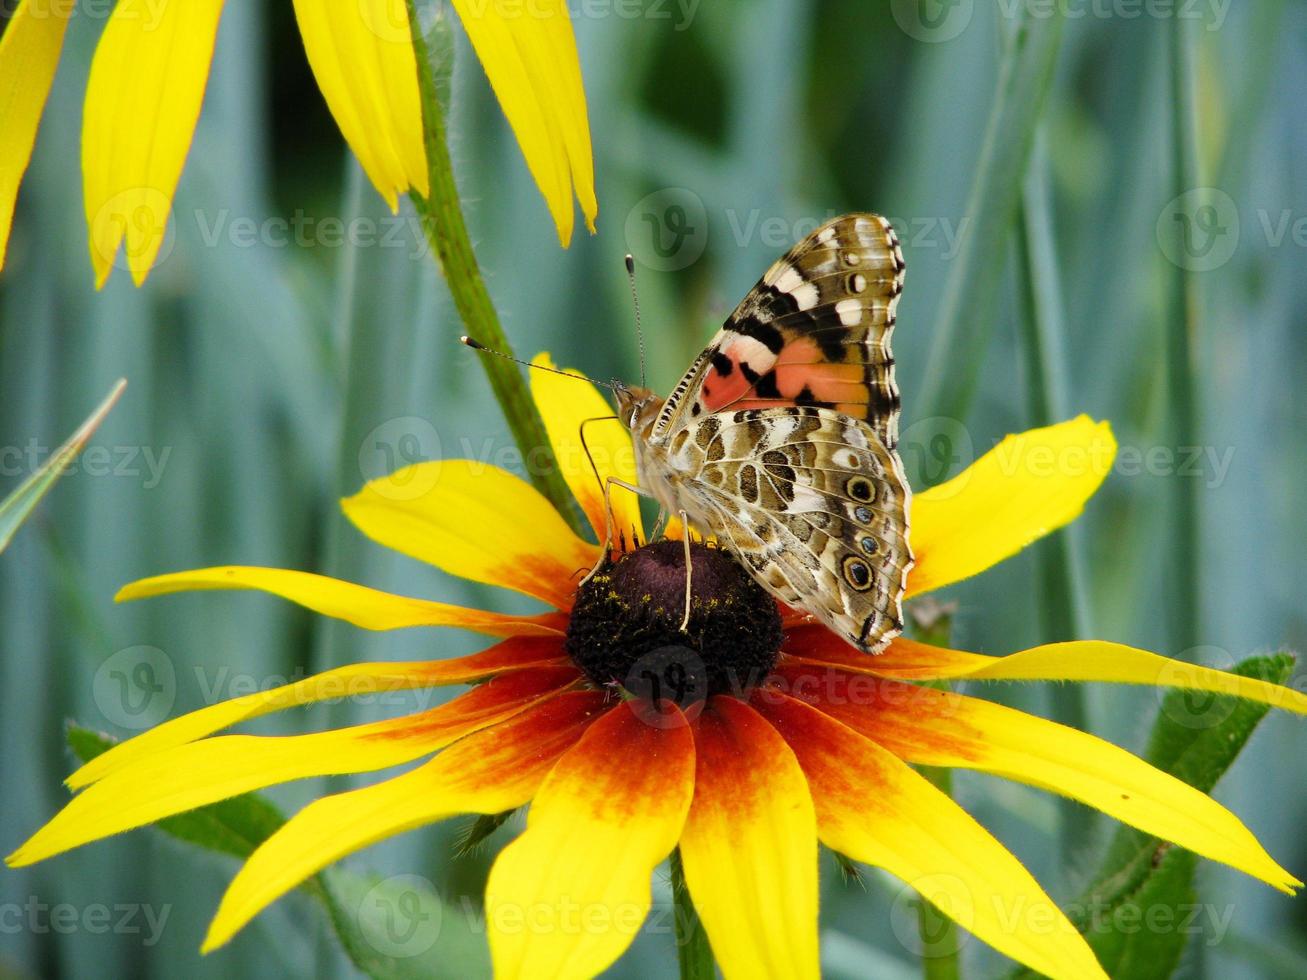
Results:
<point x="625" y="625"/>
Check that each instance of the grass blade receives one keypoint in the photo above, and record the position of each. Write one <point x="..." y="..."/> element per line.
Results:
<point x="16" y="508"/>
<point x="1025" y="76"/>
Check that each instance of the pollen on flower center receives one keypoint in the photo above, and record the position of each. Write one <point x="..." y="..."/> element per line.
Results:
<point x="625" y="625"/>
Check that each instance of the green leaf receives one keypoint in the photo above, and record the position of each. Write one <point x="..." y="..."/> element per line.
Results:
<point x="390" y="928"/>
<point x="18" y="505"/>
<point x="1137" y="914"/>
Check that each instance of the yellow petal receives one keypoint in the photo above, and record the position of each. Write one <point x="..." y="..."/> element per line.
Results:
<point x="187" y="776"/>
<point x="874" y="808"/>
<point x="362" y="56"/>
<point x="495" y="770"/>
<point x="942" y="728"/>
<point x="29" y="55"/>
<point x="1074" y="660"/>
<point x="478" y="522"/>
<point x="530" y="58"/>
<point x="142" y="100"/>
<point x="565" y="405"/>
<point x="568" y="896"/>
<point x="1023" y="488"/>
<point x="749" y="848"/>
<point x="366" y="608"/>
<point x="354" y="680"/>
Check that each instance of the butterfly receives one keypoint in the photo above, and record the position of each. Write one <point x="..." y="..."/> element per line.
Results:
<point x="780" y="439"/>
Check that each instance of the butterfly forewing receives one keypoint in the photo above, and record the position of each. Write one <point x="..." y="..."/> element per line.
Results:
<point x="815" y="331"/>
<point x="780" y="438"/>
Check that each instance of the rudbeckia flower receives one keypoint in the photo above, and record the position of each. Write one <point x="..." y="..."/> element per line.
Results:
<point x="792" y="739"/>
<point x="151" y="66"/>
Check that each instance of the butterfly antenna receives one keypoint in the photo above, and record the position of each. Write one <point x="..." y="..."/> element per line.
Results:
<point x="476" y="345"/>
<point x="635" y="302"/>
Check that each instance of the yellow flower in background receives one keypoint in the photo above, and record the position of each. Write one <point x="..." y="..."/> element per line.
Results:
<point x="813" y="742"/>
<point x="151" y="65"/>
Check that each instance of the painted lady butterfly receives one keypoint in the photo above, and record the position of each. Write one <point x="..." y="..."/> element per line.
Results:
<point x="780" y="438"/>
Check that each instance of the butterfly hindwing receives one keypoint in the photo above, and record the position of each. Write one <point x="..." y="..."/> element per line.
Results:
<point x="815" y="331"/>
<point x="817" y="507"/>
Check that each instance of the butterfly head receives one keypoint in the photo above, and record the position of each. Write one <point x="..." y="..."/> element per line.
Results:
<point x="637" y="407"/>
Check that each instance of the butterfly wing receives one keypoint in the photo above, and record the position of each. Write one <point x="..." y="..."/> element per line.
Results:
<point x="814" y="331"/>
<point x="816" y="506"/>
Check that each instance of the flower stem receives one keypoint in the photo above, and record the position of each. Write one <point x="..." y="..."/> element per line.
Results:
<point x="441" y="215"/>
<point x="693" y="952"/>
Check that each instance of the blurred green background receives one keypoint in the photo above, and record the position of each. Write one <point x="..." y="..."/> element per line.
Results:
<point x="273" y="370"/>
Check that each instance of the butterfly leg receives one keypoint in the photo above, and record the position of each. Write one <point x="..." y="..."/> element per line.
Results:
<point x="689" y="577"/>
<point x="608" y="521"/>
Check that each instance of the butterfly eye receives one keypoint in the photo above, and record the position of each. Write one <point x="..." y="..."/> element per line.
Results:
<point x="861" y="489"/>
<point x="857" y="573"/>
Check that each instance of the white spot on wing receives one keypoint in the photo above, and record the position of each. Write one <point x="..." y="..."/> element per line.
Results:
<point x="806" y="296"/>
<point x="849" y="311"/>
<point x="789" y="280"/>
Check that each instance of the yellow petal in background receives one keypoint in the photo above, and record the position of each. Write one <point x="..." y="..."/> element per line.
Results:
<point x="142" y="101"/>
<point x="566" y="404"/>
<point x="361" y="53"/>
<point x="1023" y="488"/>
<point x="29" y="55"/>
<point x="529" y="54"/>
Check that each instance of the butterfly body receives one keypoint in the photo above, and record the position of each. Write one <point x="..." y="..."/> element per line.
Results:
<point x="779" y="441"/>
